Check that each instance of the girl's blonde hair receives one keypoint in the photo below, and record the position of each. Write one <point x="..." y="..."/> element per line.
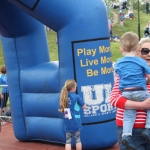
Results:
<point x="143" y="40"/>
<point x="69" y="84"/>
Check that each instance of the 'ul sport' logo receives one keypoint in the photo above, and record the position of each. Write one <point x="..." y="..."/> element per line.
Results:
<point x="97" y="98"/>
<point x="101" y="92"/>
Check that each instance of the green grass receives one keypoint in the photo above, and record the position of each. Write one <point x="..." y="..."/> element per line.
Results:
<point x="129" y="25"/>
<point x="115" y="51"/>
<point x="52" y="45"/>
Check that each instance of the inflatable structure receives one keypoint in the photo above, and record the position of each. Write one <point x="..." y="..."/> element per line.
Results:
<point x="35" y="81"/>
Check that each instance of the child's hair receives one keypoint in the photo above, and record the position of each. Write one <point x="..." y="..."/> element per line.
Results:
<point x="69" y="84"/>
<point x="3" y="69"/>
<point x="129" y="41"/>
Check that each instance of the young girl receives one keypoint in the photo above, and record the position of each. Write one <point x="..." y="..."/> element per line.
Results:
<point x="70" y="104"/>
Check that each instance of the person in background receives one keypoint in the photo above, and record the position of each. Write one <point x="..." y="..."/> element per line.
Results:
<point x="122" y="103"/>
<point x="47" y="28"/>
<point x="5" y="92"/>
<point x="148" y="25"/>
<point x="116" y="38"/>
<point x="124" y="4"/>
<point x="131" y="14"/>
<point x="110" y="31"/>
<point x="56" y="40"/>
<point x="110" y="28"/>
<point x="147" y="6"/>
<point x="1" y="103"/>
<point x="70" y="104"/>
<point x="147" y="30"/>
<point x="115" y="5"/>
<point x="122" y="18"/>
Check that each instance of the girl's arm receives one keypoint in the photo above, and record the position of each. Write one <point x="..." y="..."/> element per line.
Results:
<point x="81" y="102"/>
<point x="84" y="106"/>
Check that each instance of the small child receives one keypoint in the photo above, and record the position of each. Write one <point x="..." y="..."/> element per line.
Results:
<point x="116" y="38"/>
<point x="132" y="71"/>
<point x="122" y="18"/>
<point x="70" y="104"/>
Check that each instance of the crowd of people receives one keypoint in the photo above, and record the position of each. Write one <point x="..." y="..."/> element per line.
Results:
<point x="121" y="16"/>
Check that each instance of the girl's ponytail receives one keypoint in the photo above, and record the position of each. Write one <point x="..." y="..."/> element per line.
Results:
<point x="69" y="84"/>
<point x="63" y="99"/>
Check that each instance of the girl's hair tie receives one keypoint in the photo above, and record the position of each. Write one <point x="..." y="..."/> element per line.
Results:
<point x="65" y="86"/>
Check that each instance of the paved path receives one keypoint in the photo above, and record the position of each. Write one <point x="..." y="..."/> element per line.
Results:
<point x="115" y="18"/>
<point x="9" y="142"/>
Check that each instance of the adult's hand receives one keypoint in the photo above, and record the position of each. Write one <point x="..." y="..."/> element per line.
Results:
<point x="137" y="105"/>
<point x="146" y="104"/>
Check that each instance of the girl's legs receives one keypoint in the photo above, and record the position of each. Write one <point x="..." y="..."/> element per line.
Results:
<point x="68" y="147"/>
<point x="78" y="141"/>
<point x="2" y="107"/>
<point x="78" y="146"/>
<point x="68" y="141"/>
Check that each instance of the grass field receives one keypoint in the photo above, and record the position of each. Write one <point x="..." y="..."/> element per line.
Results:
<point x="52" y="45"/>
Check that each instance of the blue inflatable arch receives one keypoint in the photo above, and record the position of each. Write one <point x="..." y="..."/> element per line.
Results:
<point x="35" y="81"/>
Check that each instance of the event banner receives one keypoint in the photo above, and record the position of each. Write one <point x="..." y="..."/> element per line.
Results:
<point x="94" y="75"/>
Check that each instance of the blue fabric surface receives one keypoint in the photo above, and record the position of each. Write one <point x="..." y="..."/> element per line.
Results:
<point x="132" y="71"/>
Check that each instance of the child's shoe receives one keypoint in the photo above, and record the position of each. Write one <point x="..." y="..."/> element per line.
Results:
<point x="146" y="134"/>
<point x="126" y="141"/>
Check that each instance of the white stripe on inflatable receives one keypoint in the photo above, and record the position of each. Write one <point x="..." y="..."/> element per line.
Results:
<point x="3" y="85"/>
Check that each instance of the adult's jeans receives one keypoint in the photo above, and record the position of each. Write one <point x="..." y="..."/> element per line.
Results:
<point x="137" y="139"/>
